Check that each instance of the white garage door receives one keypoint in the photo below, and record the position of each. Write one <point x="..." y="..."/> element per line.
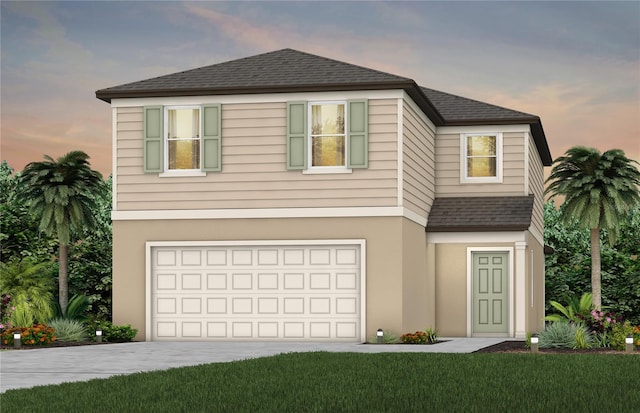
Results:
<point x="261" y="292"/>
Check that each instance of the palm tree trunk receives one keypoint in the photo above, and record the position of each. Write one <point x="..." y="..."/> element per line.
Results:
<point x="63" y="282"/>
<point x="596" y="287"/>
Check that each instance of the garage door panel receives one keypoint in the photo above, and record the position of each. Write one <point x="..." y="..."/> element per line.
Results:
<point x="274" y="292"/>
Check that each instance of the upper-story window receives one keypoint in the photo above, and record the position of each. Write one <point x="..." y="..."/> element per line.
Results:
<point x="183" y="138"/>
<point x="481" y="158"/>
<point x="327" y="135"/>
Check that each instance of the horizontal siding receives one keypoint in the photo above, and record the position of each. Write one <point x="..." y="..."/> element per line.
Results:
<point x="418" y="156"/>
<point x="448" y="168"/>
<point x="254" y="171"/>
<point x="536" y="187"/>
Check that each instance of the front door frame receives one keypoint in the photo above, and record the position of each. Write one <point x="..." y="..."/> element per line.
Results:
<point x="510" y="285"/>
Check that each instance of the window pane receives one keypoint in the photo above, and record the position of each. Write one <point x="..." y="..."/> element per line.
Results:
<point x="184" y="124"/>
<point x="184" y="154"/>
<point x="327" y="119"/>
<point x="481" y="167"/>
<point x="328" y="151"/>
<point x="183" y="138"/>
<point x="481" y="146"/>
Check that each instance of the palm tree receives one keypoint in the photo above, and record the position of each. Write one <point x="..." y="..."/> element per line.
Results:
<point x="61" y="193"/>
<point x="599" y="191"/>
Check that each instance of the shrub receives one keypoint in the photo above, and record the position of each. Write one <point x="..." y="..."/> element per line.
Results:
<point x="76" y="309"/>
<point x="575" y="310"/>
<point x="619" y="333"/>
<point x="29" y="285"/>
<point x="430" y="336"/>
<point x="562" y="334"/>
<point x="69" y="330"/>
<point x="113" y="333"/>
<point x="38" y="334"/>
<point x="5" y="311"/>
<point x="600" y="321"/>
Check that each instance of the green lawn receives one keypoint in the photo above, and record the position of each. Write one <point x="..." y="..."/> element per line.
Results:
<point x="349" y="382"/>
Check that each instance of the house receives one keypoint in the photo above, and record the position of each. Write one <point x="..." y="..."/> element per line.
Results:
<point x="288" y="196"/>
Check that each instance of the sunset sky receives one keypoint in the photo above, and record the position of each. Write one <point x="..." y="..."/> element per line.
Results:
<point x="574" y="64"/>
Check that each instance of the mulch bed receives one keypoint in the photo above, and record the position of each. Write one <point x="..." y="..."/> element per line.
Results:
<point x="520" y="347"/>
<point x="54" y="344"/>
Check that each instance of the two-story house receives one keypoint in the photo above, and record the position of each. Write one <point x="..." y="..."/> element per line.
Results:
<point x="288" y="196"/>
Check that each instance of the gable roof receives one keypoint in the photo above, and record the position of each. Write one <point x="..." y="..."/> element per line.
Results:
<point x="288" y="70"/>
<point x="495" y="213"/>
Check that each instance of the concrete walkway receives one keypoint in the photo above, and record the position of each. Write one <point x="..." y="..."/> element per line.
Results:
<point x="39" y="367"/>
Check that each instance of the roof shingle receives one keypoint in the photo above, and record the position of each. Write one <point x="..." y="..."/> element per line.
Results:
<point x="457" y="110"/>
<point x="471" y="214"/>
<point x="290" y="70"/>
<point x="280" y="69"/>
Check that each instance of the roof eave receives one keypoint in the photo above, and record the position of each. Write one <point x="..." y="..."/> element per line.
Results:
<point x="475" y="228"/>
<point x="107" y="95"/>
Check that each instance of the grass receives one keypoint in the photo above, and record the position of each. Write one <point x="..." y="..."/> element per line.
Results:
<point x="349" y="382"/>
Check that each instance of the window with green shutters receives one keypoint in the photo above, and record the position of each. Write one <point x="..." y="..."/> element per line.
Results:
<point x="327" y="136"/>
<point x="182" y="139"/>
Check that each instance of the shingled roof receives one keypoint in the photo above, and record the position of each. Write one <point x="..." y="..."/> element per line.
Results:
<point x="470" y="214"/>
<point x="287" y="70"/>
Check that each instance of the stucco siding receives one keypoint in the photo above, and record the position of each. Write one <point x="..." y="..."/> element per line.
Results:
<point x="394" y="275"/>
<point x="448" y="168"/>
<point x="451" y="289"/>
<point x="253" y="166"/>
<point x="535" y="286"/>
<point x="418" y="169"/>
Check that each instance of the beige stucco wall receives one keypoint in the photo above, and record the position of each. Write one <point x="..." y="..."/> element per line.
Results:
<point x="535" y="302"/>
<point x="449" y="263"/>
<point x="396" y="286"/>
<point x="451" y="289"/>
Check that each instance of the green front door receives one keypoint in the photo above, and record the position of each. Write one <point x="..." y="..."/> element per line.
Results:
<point x="490" y="292"/>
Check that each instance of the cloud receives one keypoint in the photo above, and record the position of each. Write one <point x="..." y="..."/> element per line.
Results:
<point x="573" y="115"/>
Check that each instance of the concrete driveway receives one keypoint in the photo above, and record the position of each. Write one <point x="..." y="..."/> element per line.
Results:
<point x="39" y="367"/>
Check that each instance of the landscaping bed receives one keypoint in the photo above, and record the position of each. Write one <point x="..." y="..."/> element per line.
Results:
<point x="511" y="346"/>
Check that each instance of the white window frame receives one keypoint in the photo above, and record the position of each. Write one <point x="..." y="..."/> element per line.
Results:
<point x="464" y="178"/>
<point x="326" y="169"/>
<point x="180" y="172"/>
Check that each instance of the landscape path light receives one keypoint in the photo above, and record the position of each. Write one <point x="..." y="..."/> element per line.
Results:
<point x="629" y="343"/>
<point x="534" y="343"/>
<point x="17" y="341"/>
<point x="380" y="334"/>
<point x="98" y="336"/>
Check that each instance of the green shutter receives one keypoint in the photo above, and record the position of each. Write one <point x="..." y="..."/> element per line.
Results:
<point x="211" y="138"/>
<point x="153" y="139"/>
<point x="296" y="135"/>
<point x="358" y="122"/>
